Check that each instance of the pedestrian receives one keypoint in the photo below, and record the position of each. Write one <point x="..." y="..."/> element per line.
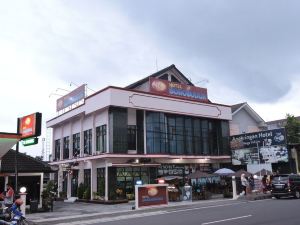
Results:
<point x="251" y="182"/>
<point x="264" y="183"/>
<point x="245" y="184"/>
<point x="8" y="195"/>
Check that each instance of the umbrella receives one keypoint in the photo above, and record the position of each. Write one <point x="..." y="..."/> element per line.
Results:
<point x="263" y="172"/>
<point x="200" y="174"/>
<point x="240" y="172"/>
<point x="168" y="178"/>
<point x="224" y="172"/>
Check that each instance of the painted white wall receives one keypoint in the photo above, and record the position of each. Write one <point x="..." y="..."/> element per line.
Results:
<point x="243" y="122"/>
<point x="131" y="116"/>
<point x="76" y="126"/>
<point x="87" y="123"/>
<point x="57" y="133"/>
<point x="101" y="118"/>
<point x="132" y="99"/>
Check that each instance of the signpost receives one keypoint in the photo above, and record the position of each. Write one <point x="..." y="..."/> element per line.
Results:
<point x="29" y="127"/>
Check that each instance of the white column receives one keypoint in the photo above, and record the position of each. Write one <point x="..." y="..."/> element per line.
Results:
<point x="59" y="178"/>
<point x="5" y="182"/>
<point x="80" y="173"/>
<point x="93" y="179"/>
<point x="145" y="134"/>
<point x="106" y="181"/>
<point x="94" y="136"/>
<point x="234" y="193"/>
<point x="81" y="138"/>
<point x="71" y="141"/>
<point x="69" y="185"/>
<point x="23" y="206"/>
<point x="41" y="188"/>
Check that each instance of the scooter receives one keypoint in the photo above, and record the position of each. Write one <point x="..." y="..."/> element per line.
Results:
<point x="12" y="215"/>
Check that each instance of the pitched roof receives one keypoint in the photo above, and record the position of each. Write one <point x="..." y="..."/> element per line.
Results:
<point x="236" y="107"/>
<point x="26" y="164"/>
<point x="138" y="83"/>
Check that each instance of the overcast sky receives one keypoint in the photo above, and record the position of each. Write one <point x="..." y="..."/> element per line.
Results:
<point x="248" y="50"/>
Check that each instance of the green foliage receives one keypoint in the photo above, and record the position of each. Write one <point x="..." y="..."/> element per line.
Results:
<point x="101" y="185"/>
<point x="292" y="129"/>
<point x="47" y="195"/>
<point x="87" y="193"/>
<point x="80" y="191"/>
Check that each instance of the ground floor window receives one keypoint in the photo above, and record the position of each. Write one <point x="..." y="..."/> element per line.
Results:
<point x="101" y="182"/>
<point x="74" y="183"/>
<point x="126" y="179"/>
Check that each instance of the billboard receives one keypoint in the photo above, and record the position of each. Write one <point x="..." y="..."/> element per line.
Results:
<point x="259" y="147"/>
<point x="151" y="195"/>
<point x="71" y="98"/>
<point x="164" y="87"/>
<point x="30" y="125"/>
<point x="263" y="138"/>
<point x="260" y="155"/>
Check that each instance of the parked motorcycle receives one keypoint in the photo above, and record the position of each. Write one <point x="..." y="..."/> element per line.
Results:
<point x="12" y="215"/>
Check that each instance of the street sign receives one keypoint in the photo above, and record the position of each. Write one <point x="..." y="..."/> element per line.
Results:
<point x="30" y="141"/>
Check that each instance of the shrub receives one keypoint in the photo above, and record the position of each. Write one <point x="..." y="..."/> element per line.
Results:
<point x="80" y="191"/>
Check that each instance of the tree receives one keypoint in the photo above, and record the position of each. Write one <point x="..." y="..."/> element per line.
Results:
<point x="292" y="129"/>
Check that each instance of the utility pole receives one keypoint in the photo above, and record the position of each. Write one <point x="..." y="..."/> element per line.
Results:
<point x="16" y="158"/>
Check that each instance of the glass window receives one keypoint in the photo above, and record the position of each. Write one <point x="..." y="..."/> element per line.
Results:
<point x="101" y="181"/>
<point x="101" y="139"/>
<point x="66" y="148"/>
<point x="87" y="136"/>
<point x="188" y="136"/>
<point x="57" y="150"/>
<point x="76" y="144"/>
<point x="87" y="178"/>
<point x="131" y="137"/>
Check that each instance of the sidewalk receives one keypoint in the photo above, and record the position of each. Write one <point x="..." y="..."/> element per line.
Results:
<point x="78" y="210"/>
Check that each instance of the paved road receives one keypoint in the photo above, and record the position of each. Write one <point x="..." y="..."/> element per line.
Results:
<point x="265" y="212"/>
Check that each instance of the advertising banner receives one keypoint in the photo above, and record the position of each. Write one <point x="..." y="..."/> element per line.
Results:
<point x="151" y="195"/>
<point x="263" y="138"/>
<point x="164" y="87"/>
<point x="261" y="155"/>
<point x="30" y="125"/>
<point x="71" y="98"/>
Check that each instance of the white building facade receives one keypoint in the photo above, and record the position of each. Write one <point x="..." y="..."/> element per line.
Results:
<point x="121" y="135"/>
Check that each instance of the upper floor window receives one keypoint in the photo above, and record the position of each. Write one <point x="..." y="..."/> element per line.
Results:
<point x="101" y="138"/>
<point x="131" y="137"/>
<point x="66" y="147"/>
<point x="76" y="144"/>
<point x="57" y="150"/>
<point x="87" y="137"/>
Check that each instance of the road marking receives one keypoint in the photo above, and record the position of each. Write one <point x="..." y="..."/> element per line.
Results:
<point x="133" y="216"/>
<point x="234" y="218"/>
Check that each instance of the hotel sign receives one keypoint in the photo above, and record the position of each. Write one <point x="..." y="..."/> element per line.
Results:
<point x="151" y="195"/>
<point x="30" y="125"/>
<point x="263" y="138"/>
<point x="164" y="87"/>
<point x="71" y="98"/>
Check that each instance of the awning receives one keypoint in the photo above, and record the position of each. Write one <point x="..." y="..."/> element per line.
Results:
<point x="7" y="141"/>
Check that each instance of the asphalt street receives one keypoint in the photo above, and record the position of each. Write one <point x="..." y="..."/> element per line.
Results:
<point x="263" y="212"/>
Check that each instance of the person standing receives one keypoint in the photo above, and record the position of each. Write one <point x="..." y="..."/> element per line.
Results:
<point x="9" y="195"/>
<point x="251" y="182"/>
<point x="245" y="184"/>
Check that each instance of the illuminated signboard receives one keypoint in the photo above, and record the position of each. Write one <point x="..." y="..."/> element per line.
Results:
<point x="30" y="125"/>
<point x="164" y="87"/>
<point x="151" y="195"/>
<point x="71" y="98"/>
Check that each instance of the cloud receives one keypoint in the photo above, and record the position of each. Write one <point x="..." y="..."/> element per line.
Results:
<point x="251" y="46"/>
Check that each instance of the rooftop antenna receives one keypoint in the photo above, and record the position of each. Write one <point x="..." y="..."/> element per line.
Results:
<point x="202" y="81"/>
<point x="54" y="94"/>
<point x="78" y="86"/>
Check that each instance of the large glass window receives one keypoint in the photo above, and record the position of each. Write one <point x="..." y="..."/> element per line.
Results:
<point x="57" y="150"/>
<point x="87" y="178"/>
<point x="76" y="144"/>
<point x="101" y="138"/>
<point x="118" y="130"/>
<point x="87" y="136"/>
<point x="184" y="135"/>
<point x="101" y="181"/>
<point x="66" y="147"/>
<point x="131" y="137"/>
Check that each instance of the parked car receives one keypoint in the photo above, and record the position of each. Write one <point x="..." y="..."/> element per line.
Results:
<point x="286" y="185"/>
